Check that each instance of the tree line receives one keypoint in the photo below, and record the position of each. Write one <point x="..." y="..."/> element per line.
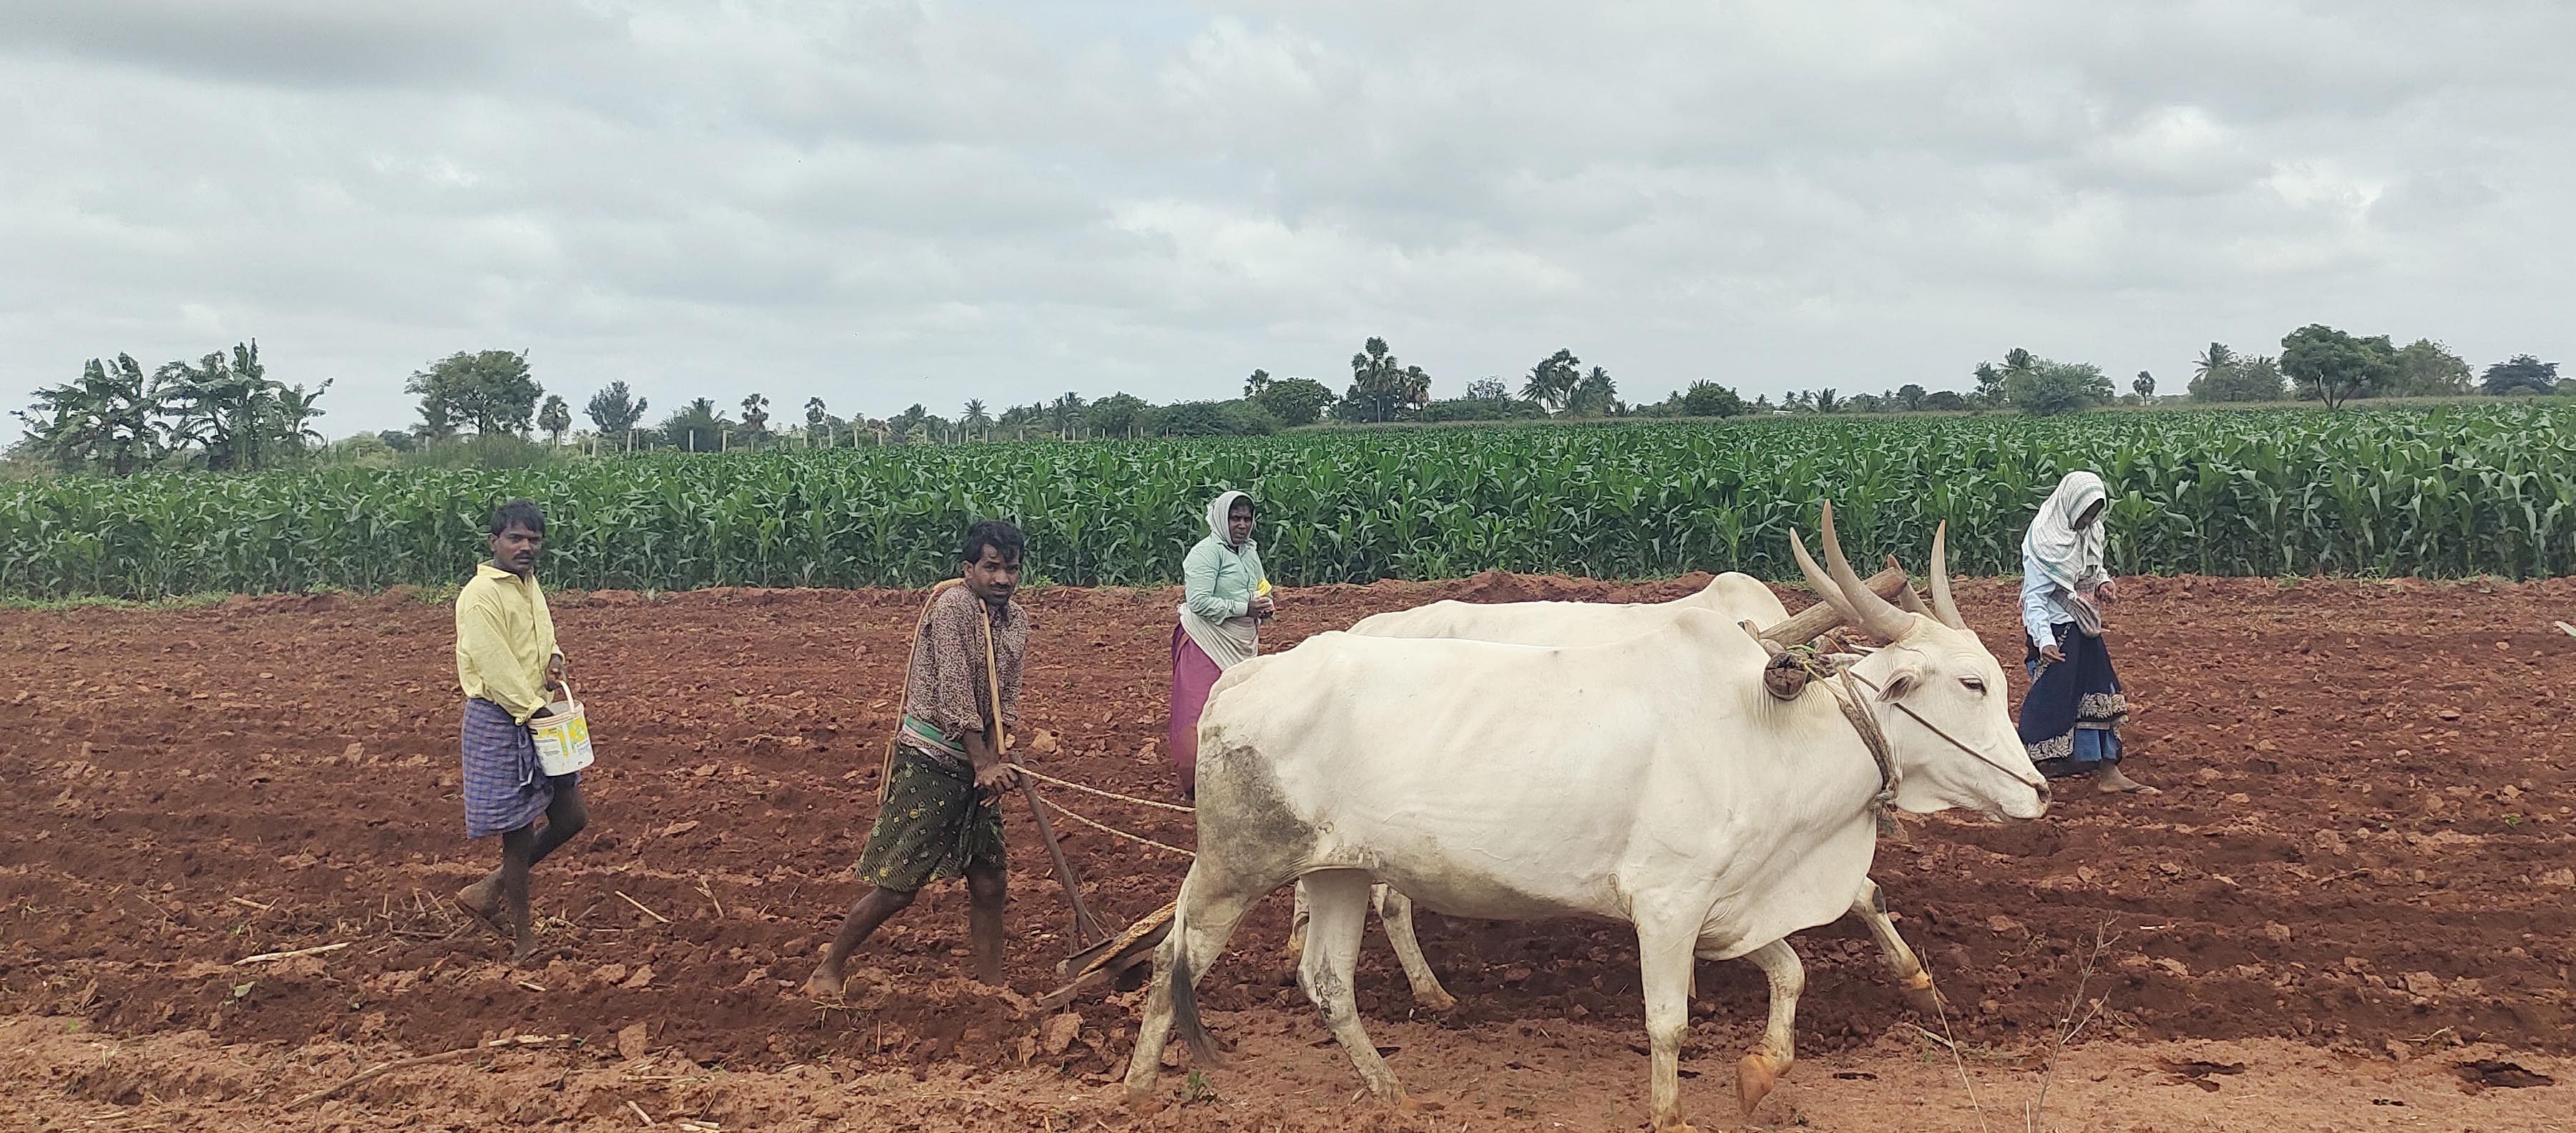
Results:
<point x="2316" y="363"/>
<point x="223" y="413"/>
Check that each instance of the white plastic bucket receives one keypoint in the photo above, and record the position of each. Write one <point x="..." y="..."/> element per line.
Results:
<point x="563" y="736"/>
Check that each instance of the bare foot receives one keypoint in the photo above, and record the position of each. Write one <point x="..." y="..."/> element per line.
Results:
<point x="2110" y="781"/>
<point x="482" y="901"/>
<point x="825" y="983"/>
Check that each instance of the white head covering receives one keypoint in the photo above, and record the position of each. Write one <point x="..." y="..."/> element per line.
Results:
<point x="1217" y="510"/>
<point x="2066" y="554"/>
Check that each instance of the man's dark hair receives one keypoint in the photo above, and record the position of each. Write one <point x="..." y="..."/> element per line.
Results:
<point x="999" y="534"/>
<point x="519" y="513"/>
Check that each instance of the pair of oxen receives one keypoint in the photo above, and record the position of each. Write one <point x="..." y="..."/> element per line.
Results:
<point x="1625" y="763"/>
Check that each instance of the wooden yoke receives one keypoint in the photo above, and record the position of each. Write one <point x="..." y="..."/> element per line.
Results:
<point x="1817" y="620"/>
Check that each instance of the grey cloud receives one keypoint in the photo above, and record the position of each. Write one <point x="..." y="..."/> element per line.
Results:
<point x="319" y="43"/>
<point x="898" y="201"/>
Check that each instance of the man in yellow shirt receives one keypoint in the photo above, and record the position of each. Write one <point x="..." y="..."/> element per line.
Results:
<point x="507" y="665"/>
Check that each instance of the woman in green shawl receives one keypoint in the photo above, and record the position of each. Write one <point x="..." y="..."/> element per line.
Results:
<point x="1225" y="598"/>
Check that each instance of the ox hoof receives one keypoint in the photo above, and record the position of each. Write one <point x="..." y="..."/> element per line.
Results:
<point x="1142" y="1100"/>
<point x="1753" y="1081"/>
<point x="1925" y="1000"/>
<point x="1440" y="1004"/>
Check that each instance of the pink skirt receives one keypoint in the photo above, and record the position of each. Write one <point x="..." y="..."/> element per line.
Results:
<point x="1193" y="674"/>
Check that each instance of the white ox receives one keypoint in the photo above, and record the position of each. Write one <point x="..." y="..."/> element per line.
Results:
<point x="1736" y="597"/>
<point x="1651" y="781"/>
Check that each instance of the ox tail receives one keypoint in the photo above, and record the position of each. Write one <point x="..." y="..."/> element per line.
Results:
<point x="1185" y="998"/>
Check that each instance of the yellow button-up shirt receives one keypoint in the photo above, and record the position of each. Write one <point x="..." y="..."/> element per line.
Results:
<point x="504" y="638"/>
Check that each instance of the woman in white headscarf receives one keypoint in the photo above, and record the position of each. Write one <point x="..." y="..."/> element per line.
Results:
<point x="2071" y="719"/>
<point x="1225" y="598"/>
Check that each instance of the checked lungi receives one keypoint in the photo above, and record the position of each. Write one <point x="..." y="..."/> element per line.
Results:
<point x="505" y="787"/>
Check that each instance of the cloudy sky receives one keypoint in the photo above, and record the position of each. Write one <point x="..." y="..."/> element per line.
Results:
<point x="882" y="203"/>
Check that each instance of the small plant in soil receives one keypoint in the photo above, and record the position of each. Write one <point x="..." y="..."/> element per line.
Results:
<point x="1196" y="1091"/>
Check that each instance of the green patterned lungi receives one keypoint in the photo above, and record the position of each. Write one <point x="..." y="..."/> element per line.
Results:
<point x="933" y="824"/>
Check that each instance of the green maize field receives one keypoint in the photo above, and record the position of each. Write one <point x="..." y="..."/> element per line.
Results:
<point x="2442" y="492"/>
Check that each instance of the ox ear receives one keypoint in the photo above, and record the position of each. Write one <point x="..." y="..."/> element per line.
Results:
<point x="1906" y="678"/>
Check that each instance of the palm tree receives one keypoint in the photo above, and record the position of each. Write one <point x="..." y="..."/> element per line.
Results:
<point x="755" y="419"/>
<point x="1551" y="383"/>
<point x="554" y="417"/>
<point x="1594" y="394"/>
<point x="974" y="420"/>
<point x="2145" y="387"/>
<point x="697" y="427"/>
<point x="2218" y="359"/>
<point x="815" y="418"/>
<point x="2018" y="363"/>
<point x="1376" y="377"/>
<point x="1065" y="413"/>
<point x="1990" y="384"/>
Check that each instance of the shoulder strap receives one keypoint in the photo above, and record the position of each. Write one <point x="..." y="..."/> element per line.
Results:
<point x="912" y="649"/>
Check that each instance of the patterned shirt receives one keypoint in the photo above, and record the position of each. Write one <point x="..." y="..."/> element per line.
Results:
<point x="948" y="688"/>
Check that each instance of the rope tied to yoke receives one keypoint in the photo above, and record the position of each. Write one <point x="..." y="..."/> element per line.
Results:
<point x="1002" y="741"/>
<point x="1788" y="673"/>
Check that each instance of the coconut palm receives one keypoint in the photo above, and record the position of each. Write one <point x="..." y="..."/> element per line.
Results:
<point x="1064" y="414"/>
<point x="1552" y="382"/>
<point x="2216" y="360"/>
<point x="1593" y="395"/>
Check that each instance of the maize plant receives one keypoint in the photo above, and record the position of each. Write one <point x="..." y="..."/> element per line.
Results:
<point x="2446" y="492"/>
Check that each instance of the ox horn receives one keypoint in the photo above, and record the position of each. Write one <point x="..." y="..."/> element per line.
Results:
<point x="1905" y="598"/>
<point x="1942" y="605"/>
<point x="1823" y="584"/>
<point x="1870" y="612"/>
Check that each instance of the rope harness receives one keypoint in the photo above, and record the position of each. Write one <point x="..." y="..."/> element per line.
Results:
<point x="1793" y="667"/>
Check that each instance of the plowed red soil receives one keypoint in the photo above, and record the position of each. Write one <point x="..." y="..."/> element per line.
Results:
<point x="2366" y="846"/>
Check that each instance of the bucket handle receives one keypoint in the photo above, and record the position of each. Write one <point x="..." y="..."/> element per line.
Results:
<point x="563" y="692"/>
